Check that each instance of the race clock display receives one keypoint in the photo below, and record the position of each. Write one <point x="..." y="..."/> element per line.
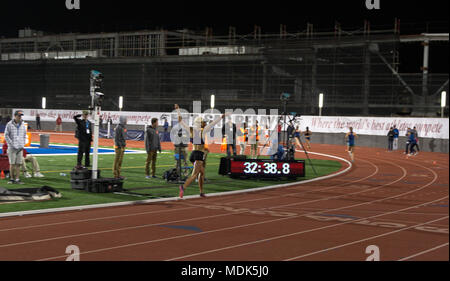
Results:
<point x="267" y="169"/>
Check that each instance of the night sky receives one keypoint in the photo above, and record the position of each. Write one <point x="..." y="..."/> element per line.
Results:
<point x="51" y="16"/>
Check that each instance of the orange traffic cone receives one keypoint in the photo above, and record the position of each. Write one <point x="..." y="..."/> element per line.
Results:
<point x="2" y="175"/>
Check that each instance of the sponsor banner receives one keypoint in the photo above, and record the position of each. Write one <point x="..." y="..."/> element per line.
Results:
<point x="437" y="128"/>
<point x="134" y="118"/>
<point x="427" y="127"/>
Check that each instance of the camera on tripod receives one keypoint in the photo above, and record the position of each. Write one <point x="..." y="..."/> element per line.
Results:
<point x="285" y="97"/>
<point x="96" y="89"/>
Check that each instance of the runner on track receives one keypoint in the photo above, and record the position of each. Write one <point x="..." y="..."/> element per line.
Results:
<point x="198" y="155"/>
<point x="350" y="139"/>
<point x="308" y="135"/>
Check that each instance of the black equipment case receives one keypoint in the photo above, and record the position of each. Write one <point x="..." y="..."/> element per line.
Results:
<point x="80" y="184"/>
<point x="82" y="174"/>
<point x="81" y="179"/>
<point x="105" y="186"/>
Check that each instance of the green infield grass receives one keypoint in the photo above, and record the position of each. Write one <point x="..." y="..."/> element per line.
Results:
<point x="57" y="175"/>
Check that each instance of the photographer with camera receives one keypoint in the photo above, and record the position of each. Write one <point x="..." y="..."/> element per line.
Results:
<point x="84" y="136"/>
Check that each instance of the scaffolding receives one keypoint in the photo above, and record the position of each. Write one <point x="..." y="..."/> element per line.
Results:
<point x="357" y="71"/>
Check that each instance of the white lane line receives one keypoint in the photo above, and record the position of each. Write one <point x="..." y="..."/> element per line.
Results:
<point x="109" y="231"/>
<point x="135" y="227"/>
<point x="121" y="204"/>
<point x="364" y="240"/>
<point x="279" y="237"/>
<point x="425" y="252"/>
<point x="94" y="219"/>
<point x="405" y="173"/>
<point x="219" y="230"/>
<point x="331" y="226"/>
<point x="310" y="191"/>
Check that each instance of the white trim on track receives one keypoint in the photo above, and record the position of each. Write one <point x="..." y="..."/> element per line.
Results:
<point x="130" y="203"/>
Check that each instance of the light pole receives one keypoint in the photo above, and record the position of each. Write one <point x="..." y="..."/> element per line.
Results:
<point x="120" y="103"/>
<point x="213" y="101"/>
<point x="44" y="103"/>
<point x="96" y="81"/>
<point x="443" y="103"/>
<point x="320" y="104"/>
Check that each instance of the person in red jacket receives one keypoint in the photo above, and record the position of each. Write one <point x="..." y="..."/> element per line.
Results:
<point x="58" y="124"/>
<point x="28" y="158"/>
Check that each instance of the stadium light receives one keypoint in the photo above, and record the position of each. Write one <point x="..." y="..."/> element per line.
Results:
<point x="320" y="104"/>
<point x="213" y="101"/>
<point x="44" y="103"/>
<point x="443" y="102"/>
<point x="120" y="103"/>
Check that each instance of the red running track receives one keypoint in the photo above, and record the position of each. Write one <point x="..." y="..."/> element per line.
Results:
<point x="396" y="203"/>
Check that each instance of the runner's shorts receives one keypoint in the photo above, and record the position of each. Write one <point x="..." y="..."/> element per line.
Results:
<point x="197" y="156"/>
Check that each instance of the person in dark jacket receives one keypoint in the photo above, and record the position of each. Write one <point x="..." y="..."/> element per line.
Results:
<point x="416" y="144"/>
<point x="152" y="145"/>
<point x="120" y="144"/>
<point x="391" y="137"/>
<point x="229" y="132"/>
<point x="38" y="122"/>
<point x="408" y="143"/>
<point x="84" y="136"/>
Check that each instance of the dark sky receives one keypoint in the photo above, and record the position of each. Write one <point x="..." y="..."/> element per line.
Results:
<point x="51" y="16"/>
<point x="108" y="15"/>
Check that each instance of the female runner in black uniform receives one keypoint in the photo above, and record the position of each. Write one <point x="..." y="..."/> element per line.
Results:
<point x="308" y="135"/>
<point x="199" y="152"/>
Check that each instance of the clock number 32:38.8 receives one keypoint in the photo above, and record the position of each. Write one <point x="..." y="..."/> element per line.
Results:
<point x="269" y="168"/>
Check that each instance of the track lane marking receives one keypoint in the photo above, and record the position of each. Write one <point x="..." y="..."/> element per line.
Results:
<point x="335" y="225"/>
<point x="218" y="230"/>
<point x="425" y="252"/>
<point x="128" y="228"/>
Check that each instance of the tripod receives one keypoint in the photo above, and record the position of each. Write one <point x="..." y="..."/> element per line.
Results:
<point x="181" y="154"/>
<point x="291" y="147"/>
<point x="181" y="178"/>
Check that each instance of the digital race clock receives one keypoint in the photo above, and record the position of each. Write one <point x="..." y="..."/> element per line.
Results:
<point x="266" y="168"/>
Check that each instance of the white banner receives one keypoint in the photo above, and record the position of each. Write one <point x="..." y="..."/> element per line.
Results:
<point x="134" y="118"/>
<point x="436" y="128"/>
